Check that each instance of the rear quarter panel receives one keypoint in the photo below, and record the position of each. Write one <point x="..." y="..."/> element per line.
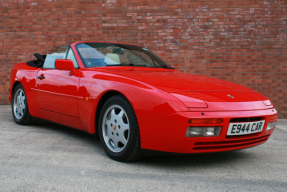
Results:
<point x="26" y="75"/>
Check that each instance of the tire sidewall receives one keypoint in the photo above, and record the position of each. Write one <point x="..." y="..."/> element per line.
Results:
<point x="26" y="113"/>
<point x="121" y="101"/>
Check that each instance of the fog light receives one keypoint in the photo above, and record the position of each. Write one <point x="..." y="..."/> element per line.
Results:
<point x="271" y="125"/>
<point x="203" y="131"/>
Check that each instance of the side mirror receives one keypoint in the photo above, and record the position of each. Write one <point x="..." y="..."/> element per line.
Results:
<point x="65" y="64"/>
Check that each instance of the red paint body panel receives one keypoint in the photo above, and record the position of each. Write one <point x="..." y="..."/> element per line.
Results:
<point x="163" y="99"/>
<point x="62" y="119"/>
<point x="190" y="99"/>
<point x="22" y="73"/>
<point x="167" y="132"/>
<point x="174" y="81"/>
<point x="65" y="64"/>
<point x="59" y="87"/>
<point x="94" y="84"/>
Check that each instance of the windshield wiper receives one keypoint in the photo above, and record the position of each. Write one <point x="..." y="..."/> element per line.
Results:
<point x="116" y="65"/>
<point x="131" y="64"/>
<point x="165" y="66"/>
<point x="127" y="64"/>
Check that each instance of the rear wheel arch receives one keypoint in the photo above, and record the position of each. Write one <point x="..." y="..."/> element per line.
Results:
<point x="23" y="117"/>
<point x="15" y="85"/>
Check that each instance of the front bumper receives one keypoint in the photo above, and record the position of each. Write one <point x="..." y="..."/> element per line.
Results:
<point x="168" y="132"/>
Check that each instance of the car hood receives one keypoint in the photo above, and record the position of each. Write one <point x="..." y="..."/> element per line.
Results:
<point x="196" y="91"/>
<point x="174" y="81"/>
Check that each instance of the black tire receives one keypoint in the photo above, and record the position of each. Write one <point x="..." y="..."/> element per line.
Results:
<point x="25" y="118"/>
<point x="131" y="150"/>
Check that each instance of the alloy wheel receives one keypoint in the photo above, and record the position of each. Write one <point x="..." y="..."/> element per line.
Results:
<point x="116" y="128"/>
<point x="19" y="104"/>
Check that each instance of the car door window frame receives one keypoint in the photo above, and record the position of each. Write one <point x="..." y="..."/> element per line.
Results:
<point x="66" y="57"/>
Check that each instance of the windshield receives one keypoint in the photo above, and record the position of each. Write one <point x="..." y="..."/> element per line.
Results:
<point x="109" y="54"/>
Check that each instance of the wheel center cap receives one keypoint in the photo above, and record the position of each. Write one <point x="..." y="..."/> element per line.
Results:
<point x="115" y="128"/>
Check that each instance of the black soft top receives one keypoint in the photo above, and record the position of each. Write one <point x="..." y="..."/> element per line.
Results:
<point x="37" y="63"/>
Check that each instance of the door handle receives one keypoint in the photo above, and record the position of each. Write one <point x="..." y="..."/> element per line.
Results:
<point x="41" y="77"/>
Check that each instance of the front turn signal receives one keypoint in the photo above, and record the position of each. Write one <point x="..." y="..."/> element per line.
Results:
<point x="205" y="121"/>
<point x="273" y="117"/>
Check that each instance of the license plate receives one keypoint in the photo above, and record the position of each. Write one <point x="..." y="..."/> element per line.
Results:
<point x="245" y="128"/>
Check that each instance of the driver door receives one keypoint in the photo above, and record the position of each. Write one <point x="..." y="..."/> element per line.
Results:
<point x="56" y="90"/>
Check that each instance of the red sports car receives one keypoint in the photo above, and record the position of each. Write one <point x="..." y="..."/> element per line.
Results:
<point x="137" y="102"/>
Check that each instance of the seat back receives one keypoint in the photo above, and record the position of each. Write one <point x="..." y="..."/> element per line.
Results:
<point x="112" y="59"/>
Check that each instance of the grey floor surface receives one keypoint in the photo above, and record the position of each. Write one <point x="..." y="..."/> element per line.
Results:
<point x="49" y="157"/>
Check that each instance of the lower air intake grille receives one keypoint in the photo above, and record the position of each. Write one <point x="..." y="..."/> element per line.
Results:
<point x="230" y="144"/>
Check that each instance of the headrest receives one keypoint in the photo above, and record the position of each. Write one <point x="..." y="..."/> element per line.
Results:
<point x="112" y="59"/>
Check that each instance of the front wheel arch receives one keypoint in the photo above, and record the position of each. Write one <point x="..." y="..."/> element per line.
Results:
<point x="101" y="103"/>
<point x="132" y="150"/>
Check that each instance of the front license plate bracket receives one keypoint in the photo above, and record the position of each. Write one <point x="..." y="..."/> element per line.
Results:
<point x="245" y="128"/>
